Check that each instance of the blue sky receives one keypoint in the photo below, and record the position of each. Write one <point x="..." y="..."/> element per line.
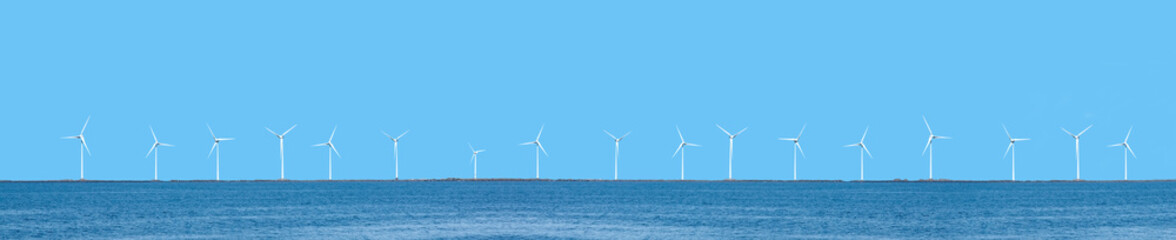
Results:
<point x="491" y="72"/>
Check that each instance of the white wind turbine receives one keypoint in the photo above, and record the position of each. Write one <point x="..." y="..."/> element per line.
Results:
<point x="538" y="147"/>
<point x="1013" y="147"/>
<point x="931" y="156"/>
<point x="396" y="150"/>
<point x="682" y="149"/>
<point x="282" y="148"/>
<point x="795" y="147"/>
<point x="866" y="151"/>
<point x="1126" y="149"/>
<point x="731" y="147"/>
<point x="83" y="149"/>
<point x="1077" y="156"/>
<point x="330" y="148"/>
<point x="617" y="150"/>
<point x="216" y="147"/>
<point x="155" y="148"/>
<point x="474" y="158"/>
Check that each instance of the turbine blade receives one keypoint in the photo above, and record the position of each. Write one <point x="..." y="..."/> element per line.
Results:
<point x="85" y="124"/>
<point x="1067" y="132"/>
<point x="210" y="150"/>
<point x="471" y="147"/>
<point x="288" y="130"/>
<point x="402" y="134"/>
<point x="926" y="146"/>
<point x="740" y="131"/>
<point x="626" y="135"/>
<point x="1129" y="150"/>
<point x="166" y="145"/>
<point x="852" y="145"/>
<point x="526" y="143"/>
<point x="1084" y="130"/>
<point x="386" y="134"/>
<point x="272" y="132"/>
<point x="537" y="143"/>
<point x="87" y="147"/>
<point x="225" y="139"/>
<point x="680" y="134"/>
<point x="610" y="135"/>
<point x="319" y="145"/>
<point x="867" y="151"/>
<point x="1006" y="129"/>
<point x="1128" y="133"/>
<point x="335" y="150"/>
<point x="801" y="151"/>
<point x="149" y="150"/>
<point x="693" y="145"/>
<point x="153" y="133"/>
<point x="724" y="130"/>
<point x="1020" y="139"/>
<point x="864" y="135"/>
<point x="678" y="150"/>
<point x="1115" y="145"/>
<point x="540" y="133"/>
<point x="472" y="157"/>
<point x="801" y="130"/>
<point x="787" y="139"/>
<point x="1006" y="154"/>
<point x="210" y="131"/>
<point x="928" y="125"/>
<point x="332" y="134"/>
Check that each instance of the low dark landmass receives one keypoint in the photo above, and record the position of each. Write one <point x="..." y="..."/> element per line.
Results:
<point x="596" y="180"/>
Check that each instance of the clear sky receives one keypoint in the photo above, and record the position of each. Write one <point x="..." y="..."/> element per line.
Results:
<point x="490" y="73"/>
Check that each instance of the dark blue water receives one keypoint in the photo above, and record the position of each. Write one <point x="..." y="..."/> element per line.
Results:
<point x="593" y="210"/>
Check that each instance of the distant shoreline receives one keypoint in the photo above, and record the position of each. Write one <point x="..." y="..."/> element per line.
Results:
<point x="593" y="180"/>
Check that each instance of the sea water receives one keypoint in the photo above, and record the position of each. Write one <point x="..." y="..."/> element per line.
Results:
<point x="587" y="210"/>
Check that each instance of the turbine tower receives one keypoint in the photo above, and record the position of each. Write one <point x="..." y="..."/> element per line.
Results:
<point x="474" y="158"/>
<point x="617" y="150"/>
<point x="330" y="148"/>
<point x="865" y="151"/>
<point x="216" y="147"/>
<point x="83" y="148"/>
<point x="396" y="150"/>
<point x="1077" y="156"/>
<point x="155" y="148"/>
<point x="1013" y="147"/>
<point x="730" y="148"/>
<point x="795" y="147"/>
<point x="931" y="156"/>
<point x="682" y="149"/>
<point x="538" y="147"/>
<point x="1126" y="149"/>
<point x="282" y="148"/>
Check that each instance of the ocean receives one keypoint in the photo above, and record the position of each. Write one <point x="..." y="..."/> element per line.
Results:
<point x="587" y="210"/>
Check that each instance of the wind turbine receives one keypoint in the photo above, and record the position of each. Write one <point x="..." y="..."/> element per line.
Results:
<point x="617" y="150"/>
<point x="474" y="158"/>
<point x="931" y="156"/>
<point x="216" y="147"/>
<point x="682" y="149"/>
<point x="795" y="147"/>
<point x="282" y="148"/>
<point x="330" y="148"/>
<point x="155" y="148"/>
<point x="1013" y="147"/>
<point x="730" y="148"/>
<point x="1126" y="149"/>
<point x="1077" y="156"/>
<point x="83" y="149"/>
<point x="862" y="144"/>
<point x="538" y="147"/>
<point x="396" y="150"/>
